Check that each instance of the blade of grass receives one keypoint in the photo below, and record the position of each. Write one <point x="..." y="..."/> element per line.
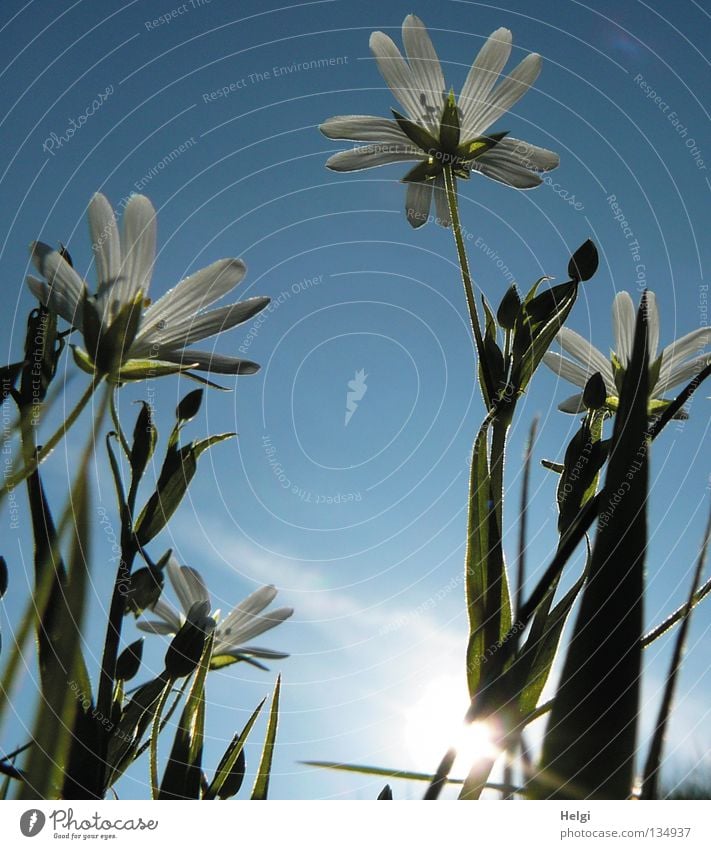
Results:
<point x="261" y="783"/>
<point x="230" y="757"/>
<point x="650" y="780"/>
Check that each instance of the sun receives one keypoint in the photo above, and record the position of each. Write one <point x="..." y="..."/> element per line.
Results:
<point x="434" y="723"/>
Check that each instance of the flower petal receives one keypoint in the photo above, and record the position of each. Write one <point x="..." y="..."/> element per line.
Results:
<point x="588" y="355"/>
<point x="652" y="325"/>
<point x="253" y="604"/>
<point x="417" y="202"/>
<point x="54" y="299"/>
<point x="138" y="248"/>
<point x="65" y="290"/>
<point x="105" y="241"/>
<point x="523" y="153"/>
<point x="250" y="651"/>
<point x="188" y="585"/>
<point x="682" y="349"/>
<point x="201" y="326"/>
<point x="372" y="155"/>
<point x="481" y="78"/>
<point x="209" y="361"/>
<point x="155" y="627"/>
<point x="623" y="322"/>
<point x="574" y="404"/>
<point x="444" y="219"/>
<point x="193" y="293"/>
<point x="507" y="172"/>
<point x="364" y="128"/>
<point x="567" y="369"/>
<point x="168" y="614"/>
<point x="253" y="626"/>
<point x="426" y="70"/>
<point x="507" y="94"/>
<point x="683" y="372"/>
<point x="396" y="73"/>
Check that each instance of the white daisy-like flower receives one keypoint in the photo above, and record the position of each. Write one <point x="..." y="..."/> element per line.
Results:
<point x="437" y="132"/>
<point x="127" y="336"/>
<point x="677" y="363"/>
<point x="243" y="623"/>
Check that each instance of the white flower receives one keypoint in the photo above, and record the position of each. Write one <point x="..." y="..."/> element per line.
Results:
<point x="155" y="337"/>
<point x="676" y="364"/>
<point x="245" y="621"/>
<point x="458" y="140"/>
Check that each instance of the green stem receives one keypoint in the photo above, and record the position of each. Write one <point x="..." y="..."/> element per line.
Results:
<point x="451" y="187"/>
<point x="117" y="426"/>
<point x="31" y="465"/>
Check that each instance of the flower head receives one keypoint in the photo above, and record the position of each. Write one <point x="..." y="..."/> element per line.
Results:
<point x="438" y="130"/>
<point x="676" y="364"/>
<point x="126" y="336"/>
<point x="243" y="623"/>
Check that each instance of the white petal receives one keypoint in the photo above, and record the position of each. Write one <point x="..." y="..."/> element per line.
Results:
<point x="253" y="604"/>
<point x="683" y="348"/>
<point x="138" y="247"/>
<point x="507" y="94"/>
<point x="201" y="326"/>
<point x="168" y="614"/>
<point x="417" y="202"/>
<point x="372" y="155"/>
<point x="579" y="347"/>
<point x="623" y="323"/>
<point x="54" y="298"/>
<point x="426" y="70"/>
<point x="209" y="361"/>
<point x="523" y="153"/>
<point x="65" y="287"/>
<point x="105" y="241"/>
<point x="253" y="626"/>
<point x="188" y="585"/>
<point x="154" y="627"/>
<point x="396" y="73"/>
<point x="506" y="172"/>
<point x="681" y="374"/>
<point x="364" y="128"/>
<point x="251" y="651"/>
<point x="652" y="325"/>
<point x="441" y="204"/>
<point x="574" y="404"/>
<point x="194" y="293"/>
<point x="567" y="369"/>
<point x="487" y="66"/>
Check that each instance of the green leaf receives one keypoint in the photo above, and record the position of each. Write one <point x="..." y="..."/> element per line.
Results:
<point x="590" y="741"/>
<point x="405" y="774"/>
<point x="650" y="780"/>
<point x="583" y="264"/>
<point x="223" y="784"/>
<point x="189" y="406"/>
<point x="3" y="576"/>
<point x="135" y="719"/>
<point x="449" y="124"/>
<point x="417" y="134"/>
<point x="145" y="437"/>
<point x="129" y="661"/>
<point x="183" y="772"/>
<point x="473" y="149"/>
<point x="261" y="783"/>
<point x="176" y="474"/>
<point x="509" y="308"/>
<point x="477" y="557"/>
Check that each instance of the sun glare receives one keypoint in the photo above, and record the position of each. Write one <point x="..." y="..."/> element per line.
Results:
<point x="434" y="723"/>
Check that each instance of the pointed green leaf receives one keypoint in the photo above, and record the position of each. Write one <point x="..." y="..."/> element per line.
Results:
<point x="261" y="783"/>
<point x="222" y="785"/>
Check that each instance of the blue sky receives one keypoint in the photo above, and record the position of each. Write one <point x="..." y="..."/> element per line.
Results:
<point x="366" y="539"/>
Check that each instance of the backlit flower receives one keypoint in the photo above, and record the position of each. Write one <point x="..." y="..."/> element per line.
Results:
<point x="246" y="621"/>
<point x="676" y="364"/>
<point x="126" y="336"/>
<point x="438" y="131"/>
